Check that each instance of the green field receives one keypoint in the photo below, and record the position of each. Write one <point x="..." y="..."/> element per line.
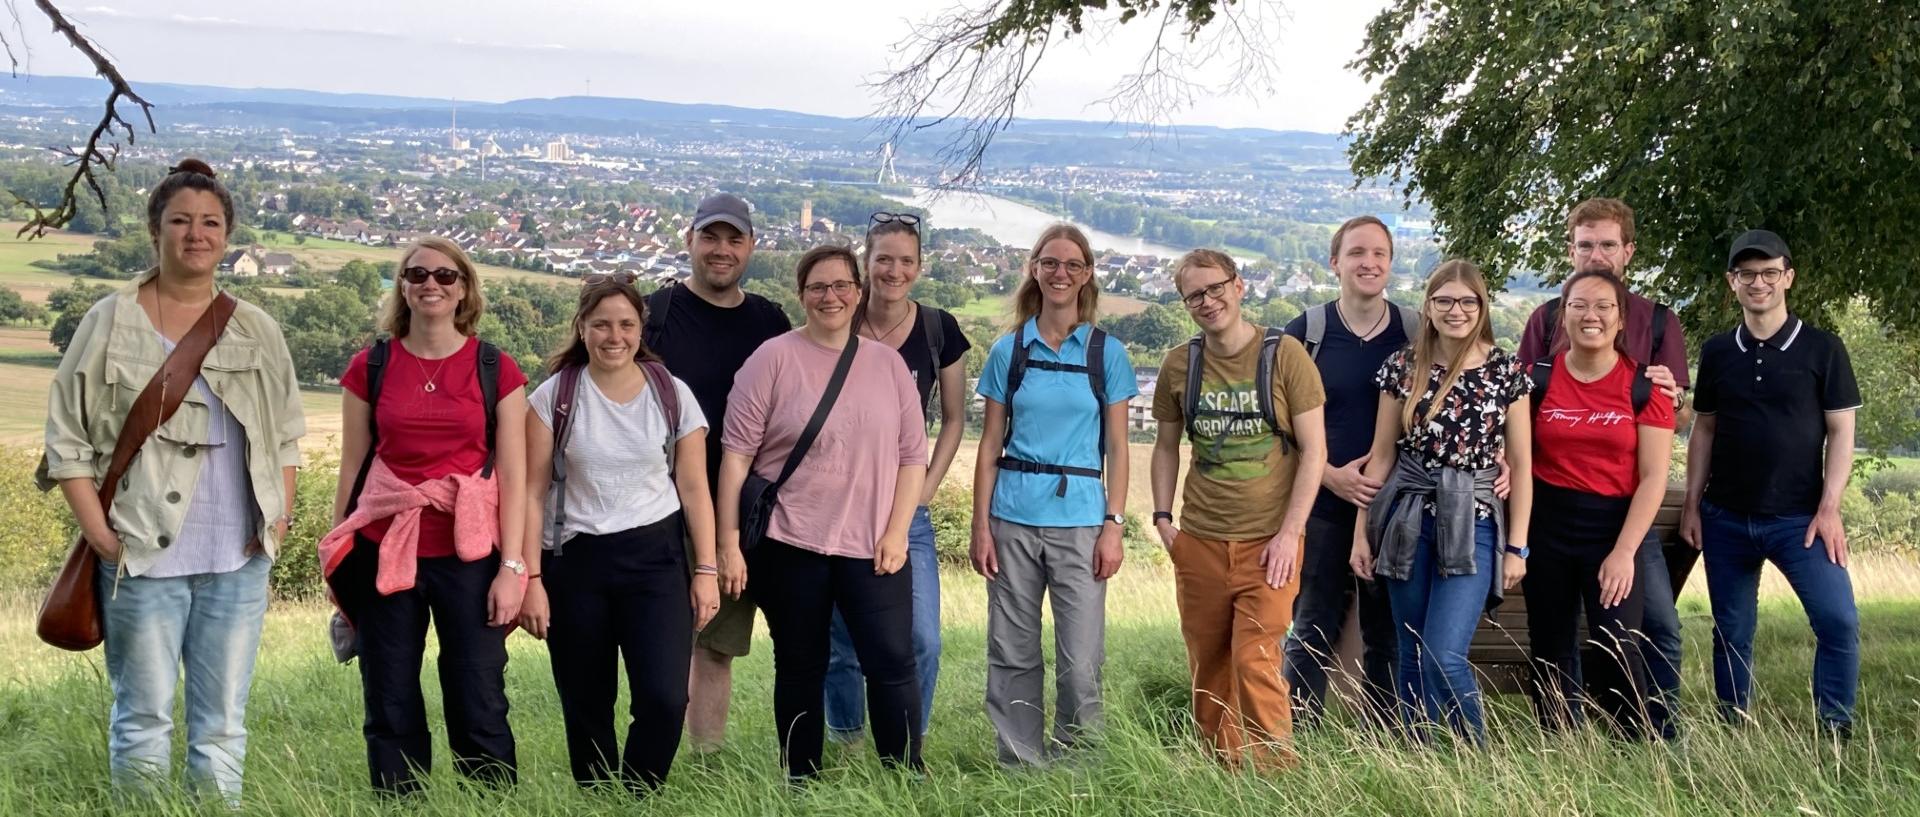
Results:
<point x="327" y="254"/>
<point x="307" y="757"/>
<point x="18" y="254"/>
<point x="999" y="308"/>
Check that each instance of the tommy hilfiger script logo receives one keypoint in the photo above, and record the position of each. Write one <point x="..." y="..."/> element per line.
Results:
<point x="1578" y="417"/>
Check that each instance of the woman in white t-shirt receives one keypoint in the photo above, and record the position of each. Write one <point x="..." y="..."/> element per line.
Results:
<point x="613" y="504"/>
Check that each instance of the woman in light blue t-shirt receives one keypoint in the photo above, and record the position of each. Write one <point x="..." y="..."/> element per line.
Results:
<point x="1050" y="490"/>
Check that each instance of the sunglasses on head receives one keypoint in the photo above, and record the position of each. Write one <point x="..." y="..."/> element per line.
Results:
<point x="598" y="278"/>
<point x="442" y="276"/>
<point x="908" y="219"/>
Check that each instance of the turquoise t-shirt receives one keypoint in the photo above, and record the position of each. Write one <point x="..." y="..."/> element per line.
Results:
<point x="1055" y="422"/>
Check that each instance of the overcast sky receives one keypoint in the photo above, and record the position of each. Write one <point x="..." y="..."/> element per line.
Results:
<point x="803" y="55"/>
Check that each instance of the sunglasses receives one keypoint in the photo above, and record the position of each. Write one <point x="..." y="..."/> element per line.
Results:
<point x="598" y="278"/>
<point x="908" y="219"/>
<point x="442" y="276"/>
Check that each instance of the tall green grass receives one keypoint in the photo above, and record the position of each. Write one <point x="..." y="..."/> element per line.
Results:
<point x="307" y="757"/>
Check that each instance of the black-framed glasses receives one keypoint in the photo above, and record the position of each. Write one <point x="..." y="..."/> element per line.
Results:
<point x="598" y="278"/>
<point x="1216" y="291"/>
<point x="840" y="287"/>
<point x="443" y="276"/>
<point x="884" y="217"/>
<point x="1445" y="303"/>
<point x="1770" y="275"/>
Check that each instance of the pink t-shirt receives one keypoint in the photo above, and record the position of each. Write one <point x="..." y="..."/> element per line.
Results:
<point x="840" y="498"/>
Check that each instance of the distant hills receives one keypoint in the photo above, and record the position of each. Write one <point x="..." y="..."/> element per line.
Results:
<point x="1031" y="141"/>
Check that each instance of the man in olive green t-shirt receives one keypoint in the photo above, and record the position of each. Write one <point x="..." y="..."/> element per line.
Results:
<point x="1244" y="514"/>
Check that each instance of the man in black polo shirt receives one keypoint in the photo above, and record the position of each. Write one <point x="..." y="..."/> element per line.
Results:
<point x="1771" y="451"/>
<point x="704" y="330"/>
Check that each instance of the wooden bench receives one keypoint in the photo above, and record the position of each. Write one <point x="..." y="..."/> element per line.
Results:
<point x="1501" y="647"/>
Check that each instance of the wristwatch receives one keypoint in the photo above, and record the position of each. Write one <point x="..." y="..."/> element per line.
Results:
<point x="1115" y="519"/>
<point x="518" y="567"/>
<point x="1159" y="515"/>
<point x="1522" y="552"/>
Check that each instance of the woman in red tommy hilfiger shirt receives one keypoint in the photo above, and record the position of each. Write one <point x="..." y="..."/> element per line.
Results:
<point x="1600" y="473"/>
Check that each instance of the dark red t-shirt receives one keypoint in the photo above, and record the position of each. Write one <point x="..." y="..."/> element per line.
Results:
<point x="428" y="435"/>
<point x="1585" y="435"/>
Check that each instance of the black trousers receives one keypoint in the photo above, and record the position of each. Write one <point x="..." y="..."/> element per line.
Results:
<point x="799" y="590"/>
<point x="1327" y="587"/>
<point x="473" y="660"/>
<point x="1571" y="534"/>
<point x="614" y="596"/>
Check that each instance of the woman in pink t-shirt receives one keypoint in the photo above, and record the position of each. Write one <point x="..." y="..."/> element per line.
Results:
<point x="1601" y="448"/>
<point x="838" y="535"/>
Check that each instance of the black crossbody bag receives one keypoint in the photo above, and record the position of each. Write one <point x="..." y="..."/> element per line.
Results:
<point x="758" y="495"/>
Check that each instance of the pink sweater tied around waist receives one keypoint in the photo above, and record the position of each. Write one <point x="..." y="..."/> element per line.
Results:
<point x="473" y="500"/>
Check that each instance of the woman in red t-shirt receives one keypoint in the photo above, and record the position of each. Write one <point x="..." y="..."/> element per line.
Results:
<point x="1600" y="473"/>
<point x="433" y="538"/>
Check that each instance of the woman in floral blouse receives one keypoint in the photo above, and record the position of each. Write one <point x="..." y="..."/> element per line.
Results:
<point x="1436" y="529"/>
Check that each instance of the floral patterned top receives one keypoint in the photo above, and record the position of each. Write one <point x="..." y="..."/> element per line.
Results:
<point x="1471" y="427"/>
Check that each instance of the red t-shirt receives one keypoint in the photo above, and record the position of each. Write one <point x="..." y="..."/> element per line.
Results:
<point x="1585" y="435"/>
<point x="428" y="435"/>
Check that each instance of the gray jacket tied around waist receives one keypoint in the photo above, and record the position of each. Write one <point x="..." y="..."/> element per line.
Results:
<point x="1393" y="520"/>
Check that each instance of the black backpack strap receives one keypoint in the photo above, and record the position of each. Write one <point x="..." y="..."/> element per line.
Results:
<point x="655" y="326"/>
<point x="1196" y="358"/>
<point x="1097" y="377"/>
<point x="1552" y="325"/>
<point x="933" y="321"/>
<point x="376" y="375"/>
<point x="489" y="374"/>
<point x="1016" y="372"/>
<point x="1263" y="383"/>
<point x="1642" y="390"/>
<point x="1659" y="333"/>
<point x="820" y="412"/>
<point x="1541" y="374"/>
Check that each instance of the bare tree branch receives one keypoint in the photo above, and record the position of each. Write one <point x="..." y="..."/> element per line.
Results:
<point x="968" y="69"/>
<point x="102" y="149"/>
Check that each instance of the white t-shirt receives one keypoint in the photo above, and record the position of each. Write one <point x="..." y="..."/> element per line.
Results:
<point x="616" y="458"/>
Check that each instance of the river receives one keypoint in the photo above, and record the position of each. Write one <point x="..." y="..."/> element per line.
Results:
<point x="1016" y="224"/>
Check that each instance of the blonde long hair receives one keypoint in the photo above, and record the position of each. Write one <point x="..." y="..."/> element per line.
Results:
<point x="1426" y="344"/>
<point x="1026" y="298"/>
<point x="396" y="318"/>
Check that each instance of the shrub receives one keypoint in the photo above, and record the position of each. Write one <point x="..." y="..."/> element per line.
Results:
<point x="1889" y="525"/>
<point x="36" y="529"/>
<point x="952" y="515"/>
<point x="1892" y="481"/>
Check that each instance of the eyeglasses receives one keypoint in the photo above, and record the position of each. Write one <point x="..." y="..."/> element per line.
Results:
<point x="1052" y="265"/>
<point x="442" y="276"/>
<point x="1444" y="304"/>
<point x="883" y="217"/>
<point x="1602" y="308"/>
<point x="598" y="278"/>
<point x="1770" y="275"/>
<point x="1585" y="248"/>
<point x="1216" y="291"/>
<point x="840" y="287"/>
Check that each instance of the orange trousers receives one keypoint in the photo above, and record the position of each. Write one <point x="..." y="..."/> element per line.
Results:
<point x="1234" y="626"/>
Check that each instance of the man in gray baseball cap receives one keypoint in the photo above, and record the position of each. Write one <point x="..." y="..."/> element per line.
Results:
<point x="704" y="330"/>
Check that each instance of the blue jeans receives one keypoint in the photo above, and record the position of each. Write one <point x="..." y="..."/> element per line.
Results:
<point x="846" y="689"/>
<point x="1435" y="616"/>
<point x="211" y="624"/>
<point x="1735" y="547"/>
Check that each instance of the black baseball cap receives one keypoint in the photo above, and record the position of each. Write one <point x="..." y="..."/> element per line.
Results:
<point x="1761" y="242"/>
<point x="726" y="208"/>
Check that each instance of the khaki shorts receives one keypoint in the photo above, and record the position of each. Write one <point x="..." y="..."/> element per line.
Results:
<point x="731" y="630"/>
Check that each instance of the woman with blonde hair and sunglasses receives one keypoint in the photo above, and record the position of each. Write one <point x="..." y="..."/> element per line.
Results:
<point x="1436" y="532"/>
<point x="1045" y="524"/>
<point x="616" y="483"/>
<point x="434" y="427"/>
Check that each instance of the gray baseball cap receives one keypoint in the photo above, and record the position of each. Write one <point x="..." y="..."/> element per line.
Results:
<point x="1763" y="242"/>
<point x="724" y="207"/>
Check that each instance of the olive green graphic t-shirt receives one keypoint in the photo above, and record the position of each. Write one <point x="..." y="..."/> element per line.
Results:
<point x="1240" y="480"/>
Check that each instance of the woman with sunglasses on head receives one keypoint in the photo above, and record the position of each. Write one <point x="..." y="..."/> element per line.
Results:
<point x="837" y="535"/>
<point x="420" y="531"/>
<point x="186" y="545"/>
<point x="1592" y="507"/>
<point x="935" y="350"/>
<point x="617" y="479"/>
<point x="1436" y="532"/>
<point x="1044" y="522"/>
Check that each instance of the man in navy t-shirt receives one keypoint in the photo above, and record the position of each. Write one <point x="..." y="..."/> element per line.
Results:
<point x="1361" y="330"/>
